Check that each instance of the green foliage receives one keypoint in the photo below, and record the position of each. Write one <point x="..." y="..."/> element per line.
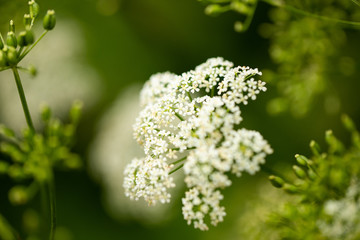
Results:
<point x="326" y="179"/>
<point x="306" y="37"/>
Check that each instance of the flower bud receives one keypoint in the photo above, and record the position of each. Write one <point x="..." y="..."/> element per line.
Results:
<point x="315" y="148"/>
<point x="49" y="20"/>
<point x="11" y="39"/>
<point x="213" y="10"/>
<point x="289" y="188"/>
<point x="22" y="39"/>
<point x="276" y="181"/>
<point x="34" y="9"/>
<point x="32" y="70"/>
<point x="11" y="26"/>
<point x="299" y="172"/>
<point x="27" y="21"/>
<point x="239" y="26"/>
<point x="12" y="55"/>
<point x="3" y="60"/>
<point x="18" y="195"/>
<point x="302" y="160"/>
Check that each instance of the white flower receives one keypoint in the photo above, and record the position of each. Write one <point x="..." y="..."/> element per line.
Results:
<point x="192" y="119"/>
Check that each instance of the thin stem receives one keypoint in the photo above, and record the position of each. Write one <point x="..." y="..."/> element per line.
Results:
<point x="51" y="189"/>
<point x="250" y="17"/>
<point x="23" y="99"/>
<point x="309" y="14"/>
<point x="32" y="46"/>
<point x="179" y="117"/>
<point x="177" y="161"/>
<point x="356" y="2"/>
<point x="176" y="169"/>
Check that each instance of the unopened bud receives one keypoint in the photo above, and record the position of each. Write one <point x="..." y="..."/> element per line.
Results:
<point x="49" y="20"/>
<point x="302" y="160"/>
<point x="276" y="181"/>
<point x="290" y="188"/>
<point x="12" y="55"/>
<point x="27" y="21"/>
<point x="18" y="195"/>
<point x="11" y="26"/>
<point x="11" y="39"/>
<point x="315" y="148"/>
<point x="213" y="10"/>
<point x="32" y="70"/>
<point x="34" y="9"/>
<point x="299" y="172"/>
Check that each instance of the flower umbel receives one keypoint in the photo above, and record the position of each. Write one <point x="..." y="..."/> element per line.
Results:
<point x="190" y="121"/>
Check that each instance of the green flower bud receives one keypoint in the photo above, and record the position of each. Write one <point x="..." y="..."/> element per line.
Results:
<point x="312" y="175"/>
<point x="12" y="55"/>
<point x="11" y="26"/>
<point x="49" y="20"/>
<point x="299" y="172"/>
<point x="32" y="70"/>
<point x="240" y="7"/>
<point x="239" y="26"/>
<point x="276" y="181"/>
<point x="348" y="123"/>
<point x="3" y="59"/>
<point x="27" y="21"/>
<point x="22" y="39"/>
<point x="34" y="9"/>
<point x="315" y="148"/>
<point x="18" y="195"/>
<point x="290" y="188"/>
<point x="11" y="39"/>
<point x="213" y="10"/>
<point x="302" y="160"/>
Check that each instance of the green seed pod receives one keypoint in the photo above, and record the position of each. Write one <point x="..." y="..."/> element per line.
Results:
<point x="27" y="21"/>
<point x="22" y="39"/>
<point x="302" y="160"/>
<point x="239" y="26"/>
<point x="12" y="55"/>
<point x="290" y="188"/>
<point x="18" y="195"/>
<point x="11" y="39"/>
<point x="315" y="148"/>
<point x="32" y="70"/>
<point x="11" y="26"/>
<point x="29" y="37"/>
<point x="34" y="9"/>
<point x="3" y="59"/>
<point x="276" y="181"/>
<point x="213" y="10"/>
<point x="49" y="20"/>
<point x="299" y="172"/>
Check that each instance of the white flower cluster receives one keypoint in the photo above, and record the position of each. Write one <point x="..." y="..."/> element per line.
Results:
<point x="344" y="215"/>
<point x="192" y="119"/>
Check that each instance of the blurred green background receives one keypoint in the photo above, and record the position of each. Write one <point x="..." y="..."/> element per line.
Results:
<point x="125" y="42"/>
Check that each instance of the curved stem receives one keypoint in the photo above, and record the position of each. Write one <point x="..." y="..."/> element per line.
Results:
<point x="309" y="14"/>
<point x="23" y="99"/>
<point x="176" y="169"/>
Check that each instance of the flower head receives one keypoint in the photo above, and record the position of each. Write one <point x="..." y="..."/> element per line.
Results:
<point x="192" y="118"/>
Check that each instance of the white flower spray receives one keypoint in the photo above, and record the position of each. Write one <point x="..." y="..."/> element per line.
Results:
<point x="190" y="121"/>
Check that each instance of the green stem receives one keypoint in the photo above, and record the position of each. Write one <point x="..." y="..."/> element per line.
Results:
<point x="4" y="68"/>
<point x="51" y="189"/>
<point x="309" y="14"/>
<point x="179" y="117"/>
<point x="356" y="2"/>
<point x="176" y="169"/>
<point x="32" y="46"/>
<point x="177" y="161"/>
<point x="250" y="17"/>
<point x="23" y="99"/>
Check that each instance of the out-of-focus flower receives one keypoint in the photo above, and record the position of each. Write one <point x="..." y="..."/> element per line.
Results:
<point x="63" y="77"/>
<point x="190" y="120"/>
<point x="112" y="149"/>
